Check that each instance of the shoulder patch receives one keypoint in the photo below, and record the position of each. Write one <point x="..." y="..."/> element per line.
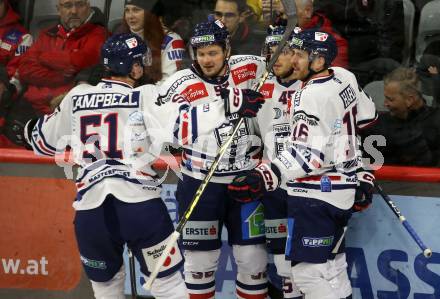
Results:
<point x="166" y="41"/>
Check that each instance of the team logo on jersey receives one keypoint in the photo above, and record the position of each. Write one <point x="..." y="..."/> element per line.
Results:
<point x="252" y="218"/>
<point x="131" y="42"/>
<point x="348" y="96"/>
<point x="244" y="73"/>
<point x="223" y="132"/>
<point x="267" y="90"/>
<point x="194" y="92"/>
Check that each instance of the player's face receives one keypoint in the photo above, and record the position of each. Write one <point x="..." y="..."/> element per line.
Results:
<point x="300" y="63"/>
<point x="283" y="65"/>
<point x="73" y="12"/>
<point x="394" y="101"/>
<point x="134" y="16"/>
<point x="211" y="60"/>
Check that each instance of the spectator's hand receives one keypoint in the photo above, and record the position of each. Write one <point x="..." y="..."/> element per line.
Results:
<point x="277" y="8"/>
<point x="252" y="184"/>
<point x="245" y="102"/>
<point x="364" y="191"/>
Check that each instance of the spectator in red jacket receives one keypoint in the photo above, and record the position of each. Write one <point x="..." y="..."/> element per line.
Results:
<point x="49" y="67"/>
<point x="14" y="38"/>
<point x="308" y="19"/>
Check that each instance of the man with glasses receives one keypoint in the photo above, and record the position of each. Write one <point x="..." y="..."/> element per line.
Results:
<point x="234" y="13"/>
<point x="49" y="67"/>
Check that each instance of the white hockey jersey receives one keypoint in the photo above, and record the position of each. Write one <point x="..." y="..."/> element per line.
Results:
<point x="322" y="158"/>
<point x="172" y="53"/>
<point x="273" y="117"/>
<point x="203" y="144"/>
<point x="115" y="135"/>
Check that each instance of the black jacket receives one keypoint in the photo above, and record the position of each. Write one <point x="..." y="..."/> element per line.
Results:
<point x="374" y="29"/>
<point x="412" y="142"/>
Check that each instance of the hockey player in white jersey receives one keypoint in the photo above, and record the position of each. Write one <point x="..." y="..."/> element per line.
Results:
<point x="319" y="167"/>
<point x="275" y="131"/>
<point x="115" y="134"/>
<point x="115" y="204"/>
<point x="214" y="74"/>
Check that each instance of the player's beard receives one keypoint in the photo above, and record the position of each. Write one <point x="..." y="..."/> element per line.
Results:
<point x="285" y="75"/>
<point x="214" y="73"/>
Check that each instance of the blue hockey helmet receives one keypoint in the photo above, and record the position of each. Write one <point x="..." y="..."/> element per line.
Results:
<point x="210" y="33"/>
<point x="274" y="37"/>
<point x="316" y="43"/>
<point x="121" y="51"/>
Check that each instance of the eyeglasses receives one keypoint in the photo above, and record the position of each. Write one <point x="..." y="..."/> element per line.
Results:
<point x="227" y="15"/>
<point x="70" y="5"/>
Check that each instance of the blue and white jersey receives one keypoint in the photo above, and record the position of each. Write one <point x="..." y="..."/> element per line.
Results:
<point x="273" y="117"/>
<point x="104" y="128"/>
<point x="322" y="158"/>
<point x="172" y="54"/>
<point x="200" y="150"/>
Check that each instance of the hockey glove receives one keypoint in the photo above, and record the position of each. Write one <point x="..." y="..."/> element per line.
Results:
<point x="252" y="184"/>
<point x="245" y="102"/>
<point x="364" y="191"/>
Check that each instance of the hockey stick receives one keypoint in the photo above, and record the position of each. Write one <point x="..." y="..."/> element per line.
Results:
<point x="427" y="252"/>
<point x="290" y="10"/>
<point x="131" y="265"/>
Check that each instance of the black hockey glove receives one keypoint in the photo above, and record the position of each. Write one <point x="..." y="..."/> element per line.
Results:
<point x="364" y="191"/>
<point x="252" y="184"/>
<point x="245" y="102"/>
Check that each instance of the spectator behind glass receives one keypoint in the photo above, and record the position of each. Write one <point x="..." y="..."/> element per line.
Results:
<point x="48" y="68"/>
<point x="374" y="31"/>
<point x="167" y="47"/>
<point x="14" y="38"/>
<point x="410" y="127"/>
<point x="234" y="13"/>
<point x="308" y="19"/>
<point x="428" y="70"/>
<point x="7" y="94"/>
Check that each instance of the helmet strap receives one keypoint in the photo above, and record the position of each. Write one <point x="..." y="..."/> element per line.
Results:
<point x="312" y="72"/>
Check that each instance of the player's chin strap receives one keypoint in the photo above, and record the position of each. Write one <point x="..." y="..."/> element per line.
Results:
<point x="311" y="71"/>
